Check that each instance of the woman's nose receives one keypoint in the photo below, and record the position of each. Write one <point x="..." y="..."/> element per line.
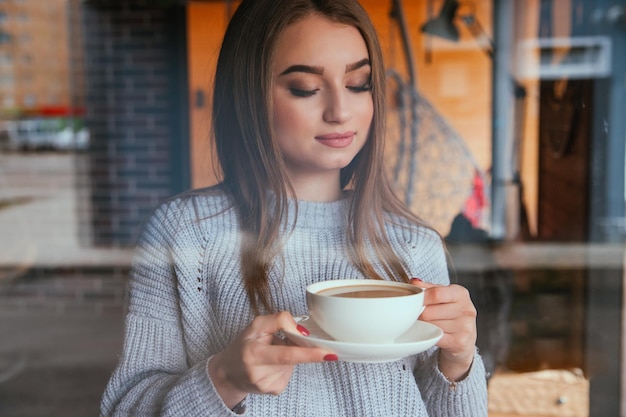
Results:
<point x="337" y="108"/>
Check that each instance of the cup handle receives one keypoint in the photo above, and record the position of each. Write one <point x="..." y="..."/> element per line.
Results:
<point x="299" y="319"/>
<point x="421" y="311"/>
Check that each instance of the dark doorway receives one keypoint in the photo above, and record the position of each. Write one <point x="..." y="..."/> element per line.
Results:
<point x="564" y="160"/>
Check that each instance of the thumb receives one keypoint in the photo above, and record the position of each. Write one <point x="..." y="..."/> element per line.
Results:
<point x="422" y="284"/>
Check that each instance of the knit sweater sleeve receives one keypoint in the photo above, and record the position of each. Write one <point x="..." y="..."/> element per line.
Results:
<point x="467" y="398"/>
<point x="153" y="377"/>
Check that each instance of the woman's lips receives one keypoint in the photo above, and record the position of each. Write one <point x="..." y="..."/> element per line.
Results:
<point x="336" y="140"/>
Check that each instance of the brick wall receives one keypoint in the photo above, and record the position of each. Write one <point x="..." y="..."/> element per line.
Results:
<point x="136" y="111"/>
<point x="65" y="290"/>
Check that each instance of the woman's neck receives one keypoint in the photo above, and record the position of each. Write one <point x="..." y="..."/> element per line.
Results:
<point x="318" y="189"/>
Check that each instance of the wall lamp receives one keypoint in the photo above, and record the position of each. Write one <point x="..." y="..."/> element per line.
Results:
<point x="443" y="26"/>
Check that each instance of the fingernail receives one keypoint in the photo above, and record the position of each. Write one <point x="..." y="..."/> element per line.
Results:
<point x="415" y="280"/>
<point x="303" y="330"/>
<point x="331" y="357"/>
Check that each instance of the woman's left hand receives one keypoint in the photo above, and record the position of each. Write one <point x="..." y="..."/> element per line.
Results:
<point x="451" y="309"/>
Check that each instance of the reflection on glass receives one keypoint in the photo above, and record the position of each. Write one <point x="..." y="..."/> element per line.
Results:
<point x="97" y="128"/>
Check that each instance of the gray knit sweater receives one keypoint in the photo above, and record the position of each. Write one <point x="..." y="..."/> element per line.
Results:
<point x="187" y="301"/>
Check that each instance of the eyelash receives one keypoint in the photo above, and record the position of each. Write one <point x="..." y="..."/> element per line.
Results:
<point x="308" y="93"/>
<point x="361" y="89"/>
<point x="303" y="93"/>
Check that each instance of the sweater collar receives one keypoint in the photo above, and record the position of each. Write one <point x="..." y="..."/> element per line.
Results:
<point x="316" y="215"/>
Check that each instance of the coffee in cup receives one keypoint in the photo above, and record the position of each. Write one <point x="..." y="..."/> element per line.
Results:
<point x="365" y="291"/>
<point x="364" y="310"/>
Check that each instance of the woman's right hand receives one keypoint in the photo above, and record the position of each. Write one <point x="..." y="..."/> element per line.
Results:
<point x="258" y="362"/>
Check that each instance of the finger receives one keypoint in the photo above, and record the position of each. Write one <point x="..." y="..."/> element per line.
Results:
<point x="447" y="295"/>
<point x="453" y="327"/>
<point x="438" y="312"/>
<point x="457" y="341"/>
<point x="272" y="323"/>
<point x="293" y="355"/>
<point x="448" y="311"/>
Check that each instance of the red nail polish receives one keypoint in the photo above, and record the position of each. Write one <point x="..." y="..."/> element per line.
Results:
<point x="416" y="280"/>
<point x="331" y="357"/>
<point x="303" y="330"/>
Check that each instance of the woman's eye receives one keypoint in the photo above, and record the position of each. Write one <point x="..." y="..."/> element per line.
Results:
<point x="302" y="93"/>
<point x="360" y="88"/>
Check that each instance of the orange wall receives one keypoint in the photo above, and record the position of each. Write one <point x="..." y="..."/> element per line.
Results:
<point x="206" y="25"/>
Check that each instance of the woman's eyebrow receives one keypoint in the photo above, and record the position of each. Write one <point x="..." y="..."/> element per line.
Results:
<point x="357" y="65"/>
<point x="310" y="69"/>
<point x="303" y="68"/>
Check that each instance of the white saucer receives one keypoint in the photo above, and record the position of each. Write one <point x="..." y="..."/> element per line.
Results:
<point x="420" y="337"/>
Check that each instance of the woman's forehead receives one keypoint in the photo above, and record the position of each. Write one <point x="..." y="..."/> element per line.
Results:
<point x="318" y="41"/>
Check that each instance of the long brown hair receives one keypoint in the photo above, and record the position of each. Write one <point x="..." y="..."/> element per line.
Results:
<point x="251" y="161"/>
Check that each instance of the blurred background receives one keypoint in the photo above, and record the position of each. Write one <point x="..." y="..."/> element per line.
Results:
<point x="506" y="132"/>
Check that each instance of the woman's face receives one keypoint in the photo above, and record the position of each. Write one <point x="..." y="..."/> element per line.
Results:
<point x="322" y="101"/>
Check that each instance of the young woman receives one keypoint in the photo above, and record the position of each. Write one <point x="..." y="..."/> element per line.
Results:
<point x="298" y="121"/>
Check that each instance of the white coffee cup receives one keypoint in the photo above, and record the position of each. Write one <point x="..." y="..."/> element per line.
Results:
<point x="364" y="310"/>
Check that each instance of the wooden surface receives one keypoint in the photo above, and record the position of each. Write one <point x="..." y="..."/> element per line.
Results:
<point x="549" y="393"/>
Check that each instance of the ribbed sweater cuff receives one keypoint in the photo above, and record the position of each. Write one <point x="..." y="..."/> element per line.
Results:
<point x="205" y="395"/>
<point x="462" y="398"/>
<point x="195" y="395"/>
<point x="206" y="390"/>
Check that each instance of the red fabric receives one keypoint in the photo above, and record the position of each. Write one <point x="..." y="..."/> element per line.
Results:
<point x="476" y="202"/>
